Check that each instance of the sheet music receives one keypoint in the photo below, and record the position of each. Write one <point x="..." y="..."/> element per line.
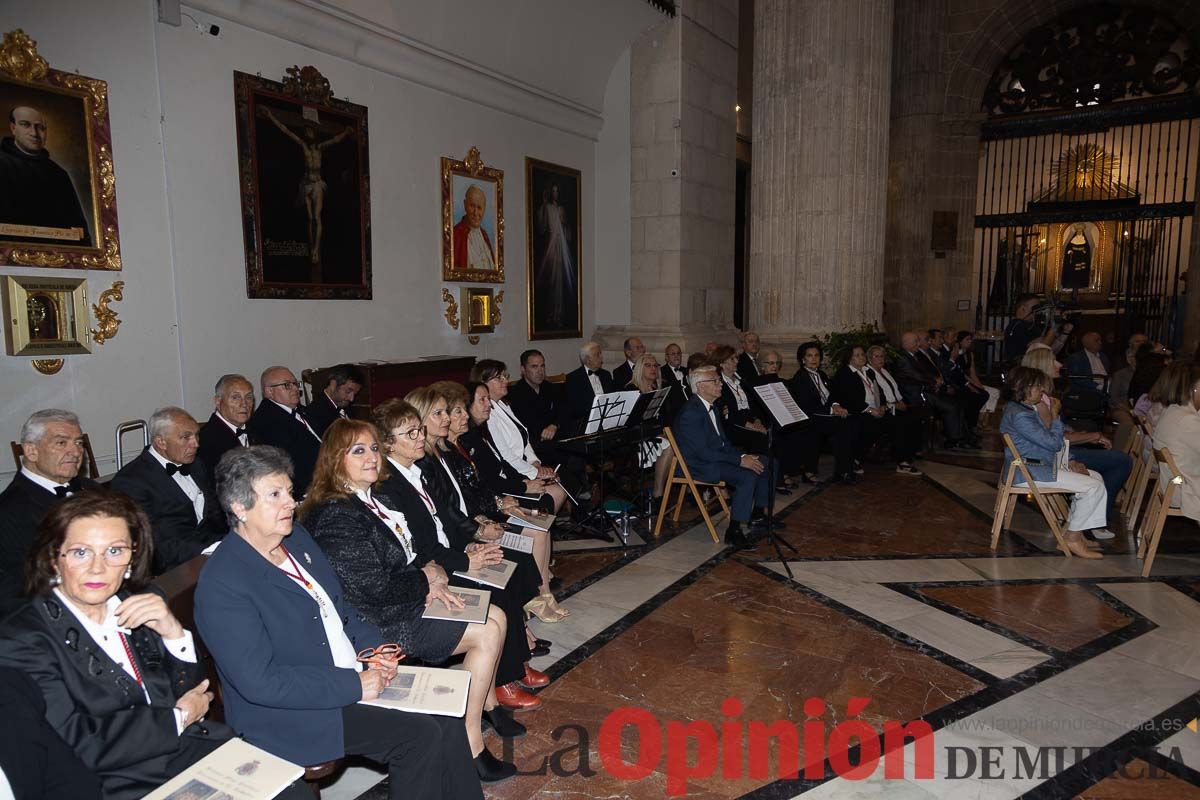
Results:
<point x="780" y="403"/>
<point x="610" y="410"/>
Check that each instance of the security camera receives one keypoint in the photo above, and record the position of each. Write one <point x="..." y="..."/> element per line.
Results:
<point x="674" y="173"/>
<point x="214" y="30"/>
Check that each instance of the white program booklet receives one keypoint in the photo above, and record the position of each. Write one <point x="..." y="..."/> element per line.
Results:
<point x="236" y="770"/>
<point x="495" y="575"/>
<point x="525" y="519"/>
<point x="426" y="690"/>
<point x="515" y="541"/>
<point x="475" y="606"/>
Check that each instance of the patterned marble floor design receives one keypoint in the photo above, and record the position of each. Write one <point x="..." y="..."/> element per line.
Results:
<point x="895" y="596"/>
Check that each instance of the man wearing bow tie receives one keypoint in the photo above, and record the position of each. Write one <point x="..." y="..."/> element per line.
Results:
<point x="171" y="485"/>
<point x="52" y="454"/>
<point x="583" y="384"/>
<point x="282" y="422"/>
<point x="233" y="401"/>
<point x="673" y="375"/>
<point x="343" y="384"/>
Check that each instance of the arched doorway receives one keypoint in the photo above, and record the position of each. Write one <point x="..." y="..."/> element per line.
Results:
<point x="1087" y="171"/>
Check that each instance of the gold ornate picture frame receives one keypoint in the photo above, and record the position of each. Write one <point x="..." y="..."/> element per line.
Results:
<point x="472" y="220"/>
<point x="554" y="250"/>
<point x="45" y="316"/>
<point x="59" y="206"/>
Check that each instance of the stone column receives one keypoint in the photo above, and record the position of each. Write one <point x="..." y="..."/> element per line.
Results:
<point x="683" y="88"/>
<point x="819" y="184"/>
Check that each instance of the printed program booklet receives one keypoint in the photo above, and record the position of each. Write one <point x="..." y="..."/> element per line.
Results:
<point x="426" y="690"/>
<point x="236" y="770"/>
<point x="516" y="541"/>
<point x="475" y="602"/>
<point x="495" y="575"/>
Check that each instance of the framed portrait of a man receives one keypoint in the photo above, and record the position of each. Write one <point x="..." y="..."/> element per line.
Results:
<point x="59" y="204"/>
<point x="306" y="207"/>
<point x="472" y="220"/>
<point x="554" y="228"/>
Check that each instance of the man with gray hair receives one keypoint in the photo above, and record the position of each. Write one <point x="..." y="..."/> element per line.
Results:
<point x="583" y="384"/>
<point x="171" y="485"/>
<point x="712" y="457"/>
<point x="51" y="456"/>
<point x="233" y="403"/>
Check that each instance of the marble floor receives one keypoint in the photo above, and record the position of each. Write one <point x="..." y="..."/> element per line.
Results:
<point x="893" y="655"/>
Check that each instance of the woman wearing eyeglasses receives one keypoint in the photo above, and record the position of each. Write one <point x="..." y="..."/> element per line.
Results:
<point x="119" y="674"/>
<point x="295" y="656"/>
<point x="377" y="555"/>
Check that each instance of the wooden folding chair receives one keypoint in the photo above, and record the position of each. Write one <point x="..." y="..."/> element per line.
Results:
<point x="1050" y="502"/>
<point x="1166" y="490"/>
<point x="686" y="483"/>
<point x="1147" y="468"/>
<point x="89" y="469"/>
<point x="1133" y="449"/>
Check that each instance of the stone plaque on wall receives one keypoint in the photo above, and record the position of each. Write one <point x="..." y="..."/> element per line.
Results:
<point x="943" y="232"/>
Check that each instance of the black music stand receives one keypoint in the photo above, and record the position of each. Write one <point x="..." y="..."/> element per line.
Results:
<point x="604" y="408"/>
<point x="645" y="415"/>
<point x="776" y="422"/>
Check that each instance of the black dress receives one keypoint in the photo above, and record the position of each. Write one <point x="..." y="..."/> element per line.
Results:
<point x="514" y="651"/>
<point x="98" y="710"/>
<point x="378" y="579"/>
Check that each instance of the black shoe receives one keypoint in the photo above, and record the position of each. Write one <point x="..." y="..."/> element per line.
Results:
<point x="810" y="477"/>
<point x="542" y="642"/>
<point x="555" y="584"/>
<point x="501" y="721"/>
<point x="783" y="490"/>
<point x="539" y="650"/>
<point x="491" y="769"/>
<point x="735" y="537"/>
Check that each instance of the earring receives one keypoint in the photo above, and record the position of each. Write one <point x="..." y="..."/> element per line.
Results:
<point x="128" y="573"/>
<point x="55" y="579"/>
<point x="241" y="519"/>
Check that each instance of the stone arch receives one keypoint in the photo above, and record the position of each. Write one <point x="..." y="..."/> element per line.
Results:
<point x="1005" y="27"/>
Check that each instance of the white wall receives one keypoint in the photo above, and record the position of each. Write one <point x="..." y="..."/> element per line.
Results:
<point x="613" y="230"/>
<point x="185" y="317"/>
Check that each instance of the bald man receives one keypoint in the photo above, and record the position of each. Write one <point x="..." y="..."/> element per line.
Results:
<point x="281" y="421"/>
<point x="472" y="247"/>
<point x="37" y="192"/>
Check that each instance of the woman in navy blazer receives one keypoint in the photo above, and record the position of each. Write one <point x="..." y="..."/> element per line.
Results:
<point x="1038" y="437"/>
<point x="285" y="642"/>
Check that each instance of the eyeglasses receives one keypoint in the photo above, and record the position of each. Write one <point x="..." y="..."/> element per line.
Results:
<point x="114" y="556"/>
<point x="502" y="377"/>
<point x="372" y="655"/>
<point x="708" y="380"/>
<point x="413" y="435"/>
<point x="285" y="384"/>
<point x="770" y="362"/>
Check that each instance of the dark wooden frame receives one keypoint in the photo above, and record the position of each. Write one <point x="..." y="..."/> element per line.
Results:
<point x="531" y="207"/>
<point x="303" y="88"/>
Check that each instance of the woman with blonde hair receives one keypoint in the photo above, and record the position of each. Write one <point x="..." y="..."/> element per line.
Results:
<point x="653" y="452"/>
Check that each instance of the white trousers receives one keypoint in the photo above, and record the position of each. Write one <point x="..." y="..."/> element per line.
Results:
<point x="1089" y="506"/>
<point x="993" y="398"/>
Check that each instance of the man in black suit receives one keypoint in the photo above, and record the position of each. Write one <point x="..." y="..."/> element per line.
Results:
<point x="827" y="419"/>
<point x="281" y="421"/>
<point x="748" y="367"/>
<point x="233" y="401"/>
<point x="342" y="385"/>
<point x="537" y="404"/>
<point x="623" y="374"/>
<point x="673" y="375"/>
<point x="171" y="486"/>
<point x="52" y="454"/>
<point x="922" y="386"/>
<point x="583" y="384"/>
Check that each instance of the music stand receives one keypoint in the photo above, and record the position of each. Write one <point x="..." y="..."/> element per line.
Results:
<point x="645" y="413"/>
<point x="774" y="397"/>
<point x="605" y="414"/>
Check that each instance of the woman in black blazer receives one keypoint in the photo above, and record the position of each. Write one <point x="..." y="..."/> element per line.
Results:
<point x="372" y="547"/>
<point x="119" y="674"/>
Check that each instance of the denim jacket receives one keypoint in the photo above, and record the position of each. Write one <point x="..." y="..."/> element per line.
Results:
<point x="1038" y="446"/>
